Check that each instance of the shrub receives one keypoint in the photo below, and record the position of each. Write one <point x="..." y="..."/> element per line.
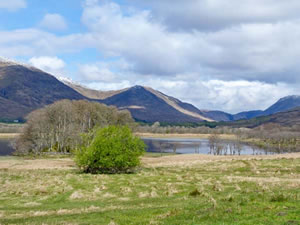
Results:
<point x="114" y="149"/>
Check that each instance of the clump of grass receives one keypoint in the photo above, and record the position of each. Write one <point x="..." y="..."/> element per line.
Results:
<point x="195" y="193"/>
<point x="229" y="198"/>
<point x="279" y="197"/>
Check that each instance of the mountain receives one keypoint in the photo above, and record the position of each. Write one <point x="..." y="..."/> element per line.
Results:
<point x="283" y="104"/>
<point x="24" y="89"/>
<point x="136" y="102"/>
<point x="149" y="105"/>
<point x="289" y="118"/>
<point x="248" y="115"/>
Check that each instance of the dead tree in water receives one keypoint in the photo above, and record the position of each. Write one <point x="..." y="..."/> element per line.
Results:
<point x="215" y="146"/>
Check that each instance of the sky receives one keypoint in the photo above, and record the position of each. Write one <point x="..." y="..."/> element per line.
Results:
<point x="228" y="55"/>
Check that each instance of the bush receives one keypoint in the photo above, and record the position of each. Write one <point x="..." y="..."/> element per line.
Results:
<point x="114" y="149"/>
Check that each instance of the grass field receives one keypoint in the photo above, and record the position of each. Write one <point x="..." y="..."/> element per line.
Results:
<point x="181" y="189"/>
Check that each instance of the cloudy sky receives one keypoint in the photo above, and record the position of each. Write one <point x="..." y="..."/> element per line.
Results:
<point x="229" y="55"/>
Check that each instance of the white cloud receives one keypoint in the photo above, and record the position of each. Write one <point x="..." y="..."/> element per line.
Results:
<point x="12" y="5"/>
<point x="52" y="65"/>
<point x="229" y="96"/>
<point x="93" y="73"/>
<point x="35" y="42"/>
<point x="219" y="14"/>
<point x="103" y="86"/>
<point x="55" y="22"/>
<point x="262" y="51"/>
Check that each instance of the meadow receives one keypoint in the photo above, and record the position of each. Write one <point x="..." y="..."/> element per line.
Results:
<point x="179" y="189"/>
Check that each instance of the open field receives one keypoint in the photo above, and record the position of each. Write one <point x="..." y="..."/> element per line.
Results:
<point x="204" y="136"/>
<point x="181" y="189"/>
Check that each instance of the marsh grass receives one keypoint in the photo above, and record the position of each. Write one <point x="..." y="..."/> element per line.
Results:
<point x="237" y="191"/>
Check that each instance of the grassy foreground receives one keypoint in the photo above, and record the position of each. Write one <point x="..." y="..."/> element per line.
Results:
<point x="182" y="189"/>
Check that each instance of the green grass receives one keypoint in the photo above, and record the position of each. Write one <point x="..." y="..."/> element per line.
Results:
<point x="218" y="192"/>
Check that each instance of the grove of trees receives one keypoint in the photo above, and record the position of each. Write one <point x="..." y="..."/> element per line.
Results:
<point x="60" y="127"/>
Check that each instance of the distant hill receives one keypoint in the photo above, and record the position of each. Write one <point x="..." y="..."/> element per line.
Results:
<point x="137" y="98"/>
<point x="24" y="89"/>
<point x="248" y="115"/>
<point x="148" y="105"/>
<point x="287" y="118"/>
<point x="283" y="104"/>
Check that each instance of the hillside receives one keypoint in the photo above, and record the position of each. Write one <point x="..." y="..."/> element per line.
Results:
<point x="137" y="105"/>
<point x="23" y="89"/>
<point x="148" y="105"/>
<point x="283" y="104"/>
<point x="288" y="118"/>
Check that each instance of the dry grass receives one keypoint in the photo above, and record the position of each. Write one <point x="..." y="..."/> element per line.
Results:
<point x="36" y="164"/>
<point x="198" y="159"/>
<point x="148" y="162"/>
<point x="175" y="190"/>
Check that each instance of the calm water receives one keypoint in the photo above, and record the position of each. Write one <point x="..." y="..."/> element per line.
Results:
<point x="178" y="146"/>
<point x="5" y="147"/>
<point x="200" y="146"/>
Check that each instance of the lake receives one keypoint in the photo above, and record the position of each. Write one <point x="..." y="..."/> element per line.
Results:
<point x="178" y="146"/>
<point x="5" y="147"/>
<point x="200" y="146"/>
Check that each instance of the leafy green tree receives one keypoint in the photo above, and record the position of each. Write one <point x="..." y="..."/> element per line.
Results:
<point x="114" y="149"/>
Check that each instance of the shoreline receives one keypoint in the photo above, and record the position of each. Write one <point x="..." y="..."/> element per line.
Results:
<point x="187" y="136"/>
<point x="8" y="135"/>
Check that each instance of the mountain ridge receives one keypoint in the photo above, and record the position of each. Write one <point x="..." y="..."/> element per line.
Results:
<point x="24" y="88"/>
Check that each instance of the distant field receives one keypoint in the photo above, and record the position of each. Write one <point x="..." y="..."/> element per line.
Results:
<point x="10" y="128"/>
<point x="181" y="189"/>
<point x="152" y="135"/>
<point x="8" y="135"/>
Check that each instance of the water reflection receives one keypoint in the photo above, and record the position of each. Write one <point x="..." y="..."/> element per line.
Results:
<point x="5" y="147"/>
<point x="202" y="146"/>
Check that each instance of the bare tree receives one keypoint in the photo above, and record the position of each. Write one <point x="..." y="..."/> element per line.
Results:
<point x="59" y="127"/>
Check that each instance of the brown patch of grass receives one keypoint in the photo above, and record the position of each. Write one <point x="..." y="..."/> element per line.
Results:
<point x="192" y="160"/>
<point x="37" y="164"/>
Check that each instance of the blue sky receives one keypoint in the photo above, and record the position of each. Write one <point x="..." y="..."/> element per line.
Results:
<point x="228" y="55"/>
